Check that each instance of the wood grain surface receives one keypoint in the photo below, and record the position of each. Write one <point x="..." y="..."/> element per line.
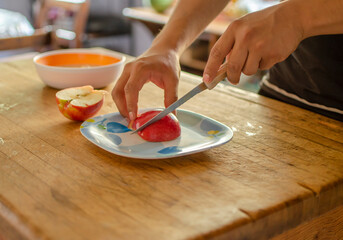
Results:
<point x="326" y="226"/>
<point x="283" y="167"/>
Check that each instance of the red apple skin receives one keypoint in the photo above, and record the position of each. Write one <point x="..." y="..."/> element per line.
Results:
<point x="166" y="129"/>
<point x="78" y="113"/>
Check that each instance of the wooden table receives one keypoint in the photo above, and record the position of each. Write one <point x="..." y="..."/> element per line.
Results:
<point x="154" y="20"/>
<point x="282" y="173"/>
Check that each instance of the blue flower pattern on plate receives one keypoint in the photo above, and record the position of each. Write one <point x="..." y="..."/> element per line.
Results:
<point x="198" y="133"/>
<point x="115" y="139"/>
<point x="169" y="150"/>
<point x="207" y="126"/>
<point x="115" y="127"/>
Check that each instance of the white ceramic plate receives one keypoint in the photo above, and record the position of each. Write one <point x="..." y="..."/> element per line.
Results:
<point x="198" y="133"/>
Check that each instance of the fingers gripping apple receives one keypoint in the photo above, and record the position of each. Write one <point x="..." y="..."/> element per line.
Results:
<point x="79" y="103"/>
<point x="166" y="129"/>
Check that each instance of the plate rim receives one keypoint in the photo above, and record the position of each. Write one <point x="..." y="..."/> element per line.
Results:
<point x="163" y="156"/>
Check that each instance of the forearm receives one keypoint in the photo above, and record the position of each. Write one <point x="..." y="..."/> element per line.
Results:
<point x="318" y="17"/>
<point x="188" y="20"/>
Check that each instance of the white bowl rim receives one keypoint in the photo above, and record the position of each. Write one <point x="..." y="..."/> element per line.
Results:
<point x="79" y="50"/>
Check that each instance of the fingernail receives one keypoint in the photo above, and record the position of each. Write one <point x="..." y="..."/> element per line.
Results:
<point x="206" y="78"/>
<point x="233" y="82"/>
<point x="131" y="116"/>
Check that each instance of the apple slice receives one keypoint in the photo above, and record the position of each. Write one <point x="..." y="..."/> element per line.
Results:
<point x="80" y="103"/>
<point x="166" y="129"/>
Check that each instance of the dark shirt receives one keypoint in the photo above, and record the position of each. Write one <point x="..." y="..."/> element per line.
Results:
<point x="311" y="77"/>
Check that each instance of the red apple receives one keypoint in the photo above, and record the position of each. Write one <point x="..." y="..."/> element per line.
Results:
<point x="80" y="103"/>
<point x="166" y="129"/>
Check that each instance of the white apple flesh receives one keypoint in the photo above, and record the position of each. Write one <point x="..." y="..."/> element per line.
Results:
<point x="79" y="103"/>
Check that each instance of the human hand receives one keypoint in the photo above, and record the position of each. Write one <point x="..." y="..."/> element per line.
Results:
<point x="256" y="41"/>
<point x="158" y="66"/>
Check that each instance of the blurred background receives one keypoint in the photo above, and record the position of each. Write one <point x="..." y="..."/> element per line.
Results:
<point x="127" y="26"/>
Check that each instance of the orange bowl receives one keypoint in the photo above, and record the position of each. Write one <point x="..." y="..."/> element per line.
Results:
<point x="78" y="67"/>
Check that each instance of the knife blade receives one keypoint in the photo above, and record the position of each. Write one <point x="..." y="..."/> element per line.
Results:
<point x="221" y="74"/>
<point x="201" y="87"/>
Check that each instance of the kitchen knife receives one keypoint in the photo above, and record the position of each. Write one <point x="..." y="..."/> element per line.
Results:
<point x="221" y="74"/>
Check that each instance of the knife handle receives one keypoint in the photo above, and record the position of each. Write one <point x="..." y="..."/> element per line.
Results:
<point x="221" y="74"/>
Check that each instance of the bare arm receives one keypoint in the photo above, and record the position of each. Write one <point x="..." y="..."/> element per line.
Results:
<point x="160" y="63"/>
<point x="188" y="20"/>
<point x="321" y="17"/>
<point x="261" y="39"/>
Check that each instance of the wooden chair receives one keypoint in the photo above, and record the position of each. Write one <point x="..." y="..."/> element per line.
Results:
<point x="40" y="38"/>
<point x="17" y="32"/>
<point x="61" y="37"/>
<point x="48" y="35"/>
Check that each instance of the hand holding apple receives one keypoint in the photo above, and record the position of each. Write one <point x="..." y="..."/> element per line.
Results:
<point x="166" y="129"/>
<point x="80" y="103"/>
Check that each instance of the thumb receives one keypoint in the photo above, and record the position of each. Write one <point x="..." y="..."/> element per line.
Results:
<point x="217" y="55"/>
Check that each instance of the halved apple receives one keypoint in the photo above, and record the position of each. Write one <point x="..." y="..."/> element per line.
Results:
<point x="166" y="129"/>
<point x="80" y="103"/>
